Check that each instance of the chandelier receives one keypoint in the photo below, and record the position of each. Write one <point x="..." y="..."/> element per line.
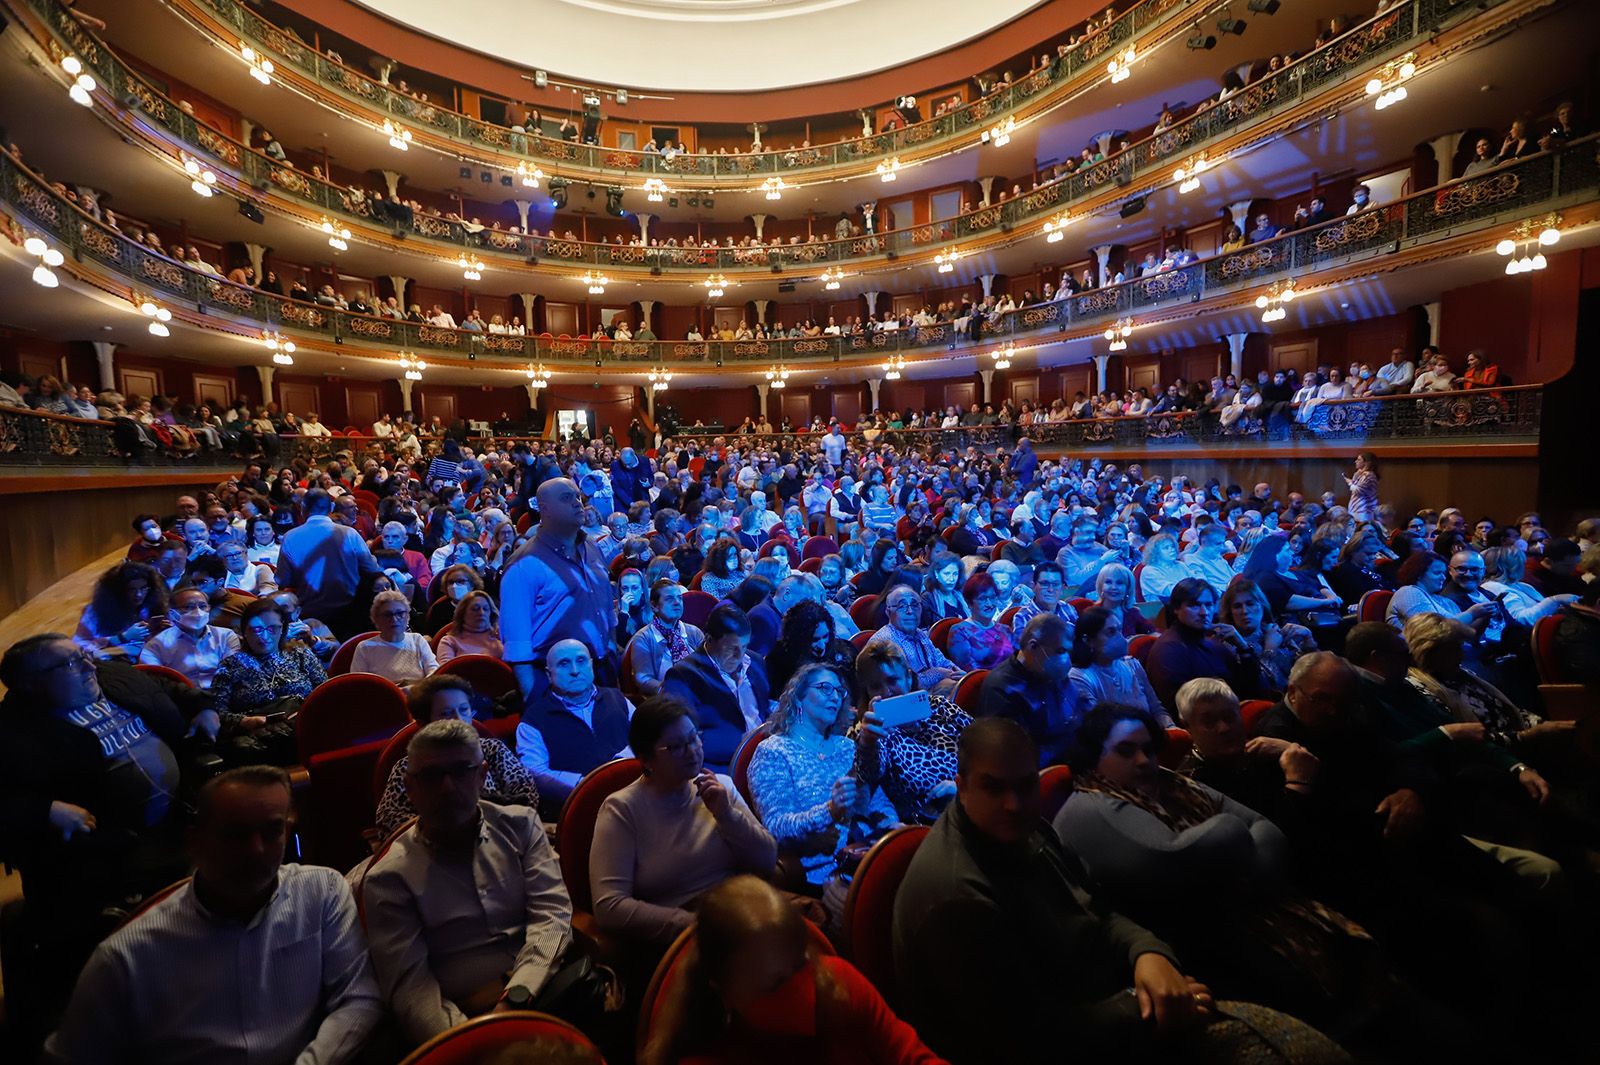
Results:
<point x="1119" y="332"/>
<point x="1539" y="233"/>
<point x="202" y="175"/>
<point x="48" y="257"/>
<point x="1122" y="65"/>
<point x="1188" y="175"/>
<point x="778" y="376"/>
<point x="893" y="368"/>
<point x="831" y="279"/>
<point x="282" y="350"/>
<point x="655" y="190"/>
<point x="159" y="317"/>
<point x="530" y="178"/>
<point x="538" y="375"/>
<point x="999" y="135"/>
<point x="471" y="267"/>
<point x="83" y="83"/>
<point x="947" y="260"/>
<point x="715" y="284"/>
<point x="1055" y="229"/>
<point x="888" y="169"/>
<point x="260" y="66"/>
<point x="399" y="136"/>
<point x="660" y="378"/>
<point x="1387" y="85"/>
<point x="1002" y="356"/>
<point x="774" y="187"/>
<point x="412" y="366"/>
<point x="1270" y="303"/>
<point x="595" y="281"/>
<point x="338" y="236"/>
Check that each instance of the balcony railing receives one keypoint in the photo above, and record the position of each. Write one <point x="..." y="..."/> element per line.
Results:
<point x="1539" y="182"/>
<point x="1150" y="160"/>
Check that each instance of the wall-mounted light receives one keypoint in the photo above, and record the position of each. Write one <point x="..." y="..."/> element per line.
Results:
<point x="660" y="378"/>
<point x="538" y="375"/>
<point x="831" y="278"/>
<point x="530" y="178"/>
<point x="778" y="376"/>
<point x="1055" y="229"/>
<point x="1188" y="175"/>
<point x="1270" y="303"/>
<point x="260" y="66"/>
<point x="338" y="236"/>
<point x="412" y="366"/>
<point x="1387" y="85"/>
<point x="282" y="349"/>
<point x="1535" y="234"/>
<point x="1120" y="66"/>
<point x="888" y="169"/>
<point x="774" y="187"/>
<point x="399" y="136"/>
<point x="1002" y="356"/>
<point x="595" y="282"/>
<point x="83" y="82"/>
<point x="48" y="257"/>
<point x="1118" y="333"/>
<point x="999" y="135"/>
<point x="471" y="267"/>
<point x="715" y="284"/>
<point x="655" y="190"/>
<point x="947" y="260"/>
<point x="893" y="368"/>
<point x="202" y="177"/>
<point x="159" y="317"/>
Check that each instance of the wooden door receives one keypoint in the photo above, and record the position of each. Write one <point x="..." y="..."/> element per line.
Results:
<point x="1144" y="372"/>
<point x="961" y="396"/>
<point x="561" y="319"/>
<point x="847" y="406"/>
<point x="144" y="383"/>
<point x="1077" y="379"/>
<point x="37" y="364"/>
<point x="363" y="407"/>
<point x="1200" y="365"/>
<point x="797" y="408"/>
<point x="1299" y="355"/>
<point x="1025" y="391"/>
<point x="299" y="398"/>
<point x="214" y="390"/>
<point x="442" y="404"/>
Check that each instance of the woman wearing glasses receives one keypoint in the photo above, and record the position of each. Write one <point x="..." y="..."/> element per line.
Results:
<point x="673" y="834"/>
<point x="261" y="684"/>
<point x="395" y="653"/>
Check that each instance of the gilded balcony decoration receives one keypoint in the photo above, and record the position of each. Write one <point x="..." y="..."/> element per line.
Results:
<point x="495" y="342"/>
<point x="1042" y="314"/>
<point x="1100" y="301"/>
<point x="238" y="298"/>
<point x="444" y="338"/>
<point x="372" y="328"/>
<point x="1250" y="261"/>
<point x="1495" y="189"/>
<point x="291" y="179"/>
<point x="307" y="317"/>
<point x="100" y="242"/>
<point x="1164" y="286"/>
<point x="170" y="274"/>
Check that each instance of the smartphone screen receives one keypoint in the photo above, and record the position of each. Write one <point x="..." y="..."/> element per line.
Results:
<point x="903" y="709"/>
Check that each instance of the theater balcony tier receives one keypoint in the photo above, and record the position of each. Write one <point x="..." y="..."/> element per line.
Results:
<point x="1456" y="220"/>
<point x="1315" y="87"/>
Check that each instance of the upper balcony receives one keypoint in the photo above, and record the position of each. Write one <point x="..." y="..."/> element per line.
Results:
<point x="1320" y="84"/>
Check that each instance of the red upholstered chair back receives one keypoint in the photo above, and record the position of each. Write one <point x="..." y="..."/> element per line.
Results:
<point x="997" y="552"/>
<point x="1139" y="646"/>
<point x="575" y="826"/>
<point x="1138" y="588"/>
<point x="819" y="546"/>
<point x="1250" y="712"/>
<point x="1008" y="615"/>
<point x="1544" y="651"/>
<point x="488" y="676"/>
<point x="441" y="634"/>
<point x="339" y="805"/>
<point x="740" y="769"/>
<point x="697" y="606"/>
<point x="1374" y="605"/>
<point x="393" y="751"/>
<point x="859" y="640"/>
<point x="867" y="613"/>
<point x="869" y="908"/>
<point x="1081" y="603"/>
<point x="1177" y="748"/>
<point x="811" y="565"/>
<point x="479" y="1038"/>
<point x="940" y="633"/>
<point x="346" y="654"/>
<point x="165" y="671"/>
<point x="783" y="542"/>
<point x="966" y="695"/>
<point x="364" y="496"/>
<point x="348" y="710"/>
<point x="1055" y="787"/>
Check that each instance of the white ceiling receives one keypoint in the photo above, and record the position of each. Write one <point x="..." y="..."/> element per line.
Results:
<point x="704" y="45"/>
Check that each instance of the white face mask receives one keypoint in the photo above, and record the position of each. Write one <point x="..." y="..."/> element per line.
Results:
<point x="153" y="535"/>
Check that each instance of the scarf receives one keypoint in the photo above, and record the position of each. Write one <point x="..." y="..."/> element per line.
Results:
<point x="672" y="635"/>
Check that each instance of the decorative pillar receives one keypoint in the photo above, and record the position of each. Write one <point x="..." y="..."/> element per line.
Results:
<point x="391" y="180"/>
<point x="1102" y="252"/>
<point x="533" y="395"/>
<point x="760" y="222"/>
<point x="1241" y="214"/>
<point x="1236" y="354"/>
<point x="1100" y="364"/>
<point x="646" y="310"/>
<point x="528" y="299"/>
<point x="406" y="384"/>
<point x="875" y="383"/>
<point x="104" y="352"/>
<point x="650" y="402"/>
<point x="987" y="185"/>
<point x="988" y="385"/>
<point x="872" y="303"/>
<point x="522" y="212"/>
<point x="399" y="282"/>
<point x="1432" y="311"/>
<point x="266" y="373"/>
<point x="644" y="226"/>
<point x="987" y="280"/>
<point x="257" y="253"/>
<point x="1104" y="141"/>
<point x="756" y="130"/>
<point x="761" y="390"/>
<point x="761" y="309"/>
<point x="1444" y="152"/>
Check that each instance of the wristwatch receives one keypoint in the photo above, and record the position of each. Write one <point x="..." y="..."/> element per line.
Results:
<point x="518" y="997"/>
<point x="1517" y="769"/>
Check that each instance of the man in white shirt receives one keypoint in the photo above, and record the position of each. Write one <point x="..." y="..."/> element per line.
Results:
<point x="466" y="910"/>
<point x="383" y="428"/>
<point x="191" y="644"/>
<point x="441" y="318"/>
<point x="312" y="425"/>
<point x="758" y="502"/>
<point x="251" y="960"/>
<point x="1206" y="561"/>
<point x="243" y="575"/>
<point x="834" y="445"/>
<point x="1397" y="374"/>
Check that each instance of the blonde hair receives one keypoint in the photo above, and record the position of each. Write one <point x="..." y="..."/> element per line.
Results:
<point x="382" y="598"/>
<point x="783" y="718"/>
<point x="1426" y="633"/>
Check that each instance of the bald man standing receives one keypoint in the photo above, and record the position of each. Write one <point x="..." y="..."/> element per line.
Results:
<point x="556" y="589"/>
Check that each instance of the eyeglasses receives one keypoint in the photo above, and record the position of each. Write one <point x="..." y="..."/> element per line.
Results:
<point x="437" y="774"/>
<point x="192" y="608"/>
<point x="834" y="690"/>
<point x="682" y="747"/>
<point x="77" y="662"/>
<point x="399" y="613"/>
<point x="264" y="630"/>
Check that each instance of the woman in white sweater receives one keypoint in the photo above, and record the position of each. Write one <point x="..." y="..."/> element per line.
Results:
<point x="395" y="653"/>
<point x="1104" y="672"/>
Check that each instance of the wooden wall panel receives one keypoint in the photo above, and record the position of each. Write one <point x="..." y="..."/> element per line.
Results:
<point x="847" y="407"/>
<point x="214" y="389"/>
<point x="796" y="407"/>
<point x="1199" y="365"/>
<point x="961" y="395"/>
<point x="132" y="382"/>
<point x="1296" y="355"/>
<point x="436" y="403"/>
<point x="1026" y="391"/>
<point x="363" y="406"/>
<point x="299" y="399"/>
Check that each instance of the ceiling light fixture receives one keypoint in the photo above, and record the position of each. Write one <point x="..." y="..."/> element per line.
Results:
<point x="260" y="66"/>
<point x="1387" y="85"/>
<point x="338" y="236"/>
<point x="399" y="136"/>
<point x="1118" y="333"/>
<point x="893" y="368"/>
<point x="655" y="190"/>
<point x="159" y="316"/>
<point x="774" y="187"/>
<point x="48" y="257"/>
<point x="1002" y="356"/>
<point x="1532" y="233"/>
<point x="1122" y="65"/>
<point x="947" y="260"/>
<point x="412" y="366"/>
<point x="831" y="278"/>
<point x="282" y="350"/>
<point x="471" y="267"/>
<point x="660" y="379"/>
<point x="538" y="375"/>
<point x="530" y="178"/>
<point x="1270" y="303"/>
<point x="778" y="376"/>
<point x="888" y="169"/>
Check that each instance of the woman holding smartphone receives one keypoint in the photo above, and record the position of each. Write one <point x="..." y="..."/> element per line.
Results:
<point x="914" y="762"/>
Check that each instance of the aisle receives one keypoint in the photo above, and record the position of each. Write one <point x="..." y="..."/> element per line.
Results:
<point x="56" y="609"/>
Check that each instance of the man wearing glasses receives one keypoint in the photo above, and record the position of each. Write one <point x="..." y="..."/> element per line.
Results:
<point x="191" y="644"/>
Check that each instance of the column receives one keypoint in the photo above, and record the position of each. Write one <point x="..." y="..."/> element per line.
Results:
<point x="266" y="373"/>
<point x="646" y="310"/>
<point x="650" y="402"/>
<point x="1236" y="354"/>
<point x="1102" y="252"/>
<point x="1444" y="151"/>
<point x="1100" y="364"/>
<point x="875" y="383"/>
<point x="987" y="280"/>
<point x="761" y="390"/>
<point x="533" y="395"/>
<point x="256" y="253"/>
<point x="988" y="385"/>
<point x="1240" y="211"/>
<point x="406" y="384"/>
<point x="987" y="185"/>
<point x="760" y="222"/>
<point x="103" y="353"/>
<point x="756" y="130"/>
<point x="872" y="303"/>
<point x="522" y="213"/>
<point x="644" y="225"/>
<point x="528" y="299"/>
<point x="761" y="309"/>
<point x="1104" y="141"/>
<point x="391" y="180"/>
<point x="399" y="284"/>
<point x="1432" y="311"/>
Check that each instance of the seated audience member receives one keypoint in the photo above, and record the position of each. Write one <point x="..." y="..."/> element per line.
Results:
<point x="261" y="541"/>
<point x="1436" y="378"/>
<point x="1292" y="595"/>
<point x="263" y="683"/>
<point x="251" y="960"/>
<point x="1357" y="571"/>
<point x="979" y="641"/>
<point x="666" y="641"/>
<point x="1081" y="559"/>
<point x="172" y="564"/>
<point x="127" y="598"/>
<point x="190" y="644"/>
<point x="1104" y="672"/>
<point x="415" y="564"/>
<point x="991" y="890"/>
<point x="395" y="652"/>
<point x="1113" y="589"/>
<point x="1049" y="597"/>
<point x="1557" y="571"/>
<point x="970" y="537"/>
<point x="722" y="573"/>
<point x="244" y="575"/>
<point x="1033" y="688"/>
<point x="147" y="546"/>
<point x="807" y="635"/>
<point x="1162" y="568"/>
<point x="1174" y="853"/>
<point x="633" y="605"/>
<point x="443" y="697"/>
<point x="465" y="910"/>
<point x="943" y="598"/>
<point x="309" y="633"/>
<point x="475" y="630"/>
<point x="934" y="671"/>
<point x="672" y="835"/>
<point x="1206" y="561"/>
<point x="1276" y="646"/>
<point x="804" y="786"/>
<point x="725" y="684"/>
<point x="1193" y="646"/>
<point x="914" y="763"/>
<point x="572" y="726"/>
<point x="755" y="988"/>
<point x="208" y="573"/>
<point x="1504" y="569"/>
<point x="881" y="569"/>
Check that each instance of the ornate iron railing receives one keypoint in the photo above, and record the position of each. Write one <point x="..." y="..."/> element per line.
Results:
<point x="1543" y="181"/>
<point x="1379" y="38"/>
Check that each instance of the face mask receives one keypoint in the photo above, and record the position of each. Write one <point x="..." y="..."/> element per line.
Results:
<point x="1365" y="374"/>
<point x="152" y="536"/>
<point x="789" y="1009"/>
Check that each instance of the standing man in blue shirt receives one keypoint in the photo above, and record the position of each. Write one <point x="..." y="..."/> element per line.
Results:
<point x="324" y="563"/>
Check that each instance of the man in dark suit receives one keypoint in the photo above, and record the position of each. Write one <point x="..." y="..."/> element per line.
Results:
<point x="726" y="684"/>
